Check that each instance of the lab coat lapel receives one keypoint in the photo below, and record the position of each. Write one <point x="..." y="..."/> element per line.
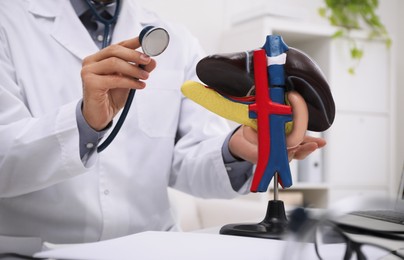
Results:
<point x="67" y="29"/>
<point x="127" y="25"/>
<point x="131" y="21"/>
<point x="69" y="32"/>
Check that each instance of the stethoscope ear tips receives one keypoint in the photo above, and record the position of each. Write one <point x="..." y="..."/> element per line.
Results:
<point x="154" y="40"/>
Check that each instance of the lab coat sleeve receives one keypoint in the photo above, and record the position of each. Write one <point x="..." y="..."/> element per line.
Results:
<point x="198" y="166"/>
<point x="34" y="152"/>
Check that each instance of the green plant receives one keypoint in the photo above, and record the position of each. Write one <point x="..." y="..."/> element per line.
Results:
<point x="350" y="15"/>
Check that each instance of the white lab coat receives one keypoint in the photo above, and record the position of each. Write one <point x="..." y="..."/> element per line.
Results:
<point x="45" y="190"/>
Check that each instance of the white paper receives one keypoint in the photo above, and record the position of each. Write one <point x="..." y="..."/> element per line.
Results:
<point x="173" y="245"/>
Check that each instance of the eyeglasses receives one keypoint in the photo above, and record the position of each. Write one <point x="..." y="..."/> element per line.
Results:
<point x="346" y="243"/>
<point x="314" y="235"/>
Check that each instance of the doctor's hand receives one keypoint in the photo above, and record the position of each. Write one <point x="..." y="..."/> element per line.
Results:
<point x="107" y="77"/>
<point x="244" y="144"/>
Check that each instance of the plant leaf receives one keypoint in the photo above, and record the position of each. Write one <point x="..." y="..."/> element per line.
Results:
<point x="356" y="53"/>
<point x="322" y="12"/>
<point x="338" y="34"/>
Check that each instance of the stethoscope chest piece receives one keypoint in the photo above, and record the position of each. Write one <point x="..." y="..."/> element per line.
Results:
<point x="154" y="40"/>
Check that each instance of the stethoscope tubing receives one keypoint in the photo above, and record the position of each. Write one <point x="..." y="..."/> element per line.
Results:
<point x="147" y="31"/>
<point x="107" y="22"/>
<point x="106" y="42"/>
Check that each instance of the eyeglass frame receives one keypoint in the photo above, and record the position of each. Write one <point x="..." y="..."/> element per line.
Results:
<point x="355" y="246"/>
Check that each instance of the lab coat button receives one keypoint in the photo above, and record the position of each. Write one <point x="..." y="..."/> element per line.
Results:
<point x="89" y="145"/>
<point x="100" y="37"/>
<point x="106" y="192"/>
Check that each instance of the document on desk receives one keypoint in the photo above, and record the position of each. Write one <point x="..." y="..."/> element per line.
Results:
<point x="173" y="245"/>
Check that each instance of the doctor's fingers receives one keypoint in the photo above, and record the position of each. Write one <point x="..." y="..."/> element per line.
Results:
<point x="113" y="66"/>
<point x="302" y="151"/>
<point x="250" y="134"/>
<point x="133" y="43"/>
<point x="96" y="83"/>
<point x="243" y="148"/>
<point x="123" y="53"/>
<point x="318" y="140"/>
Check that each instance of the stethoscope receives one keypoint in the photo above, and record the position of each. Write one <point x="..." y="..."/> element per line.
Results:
<point x="153" y="40"/>
<point x="106" y="22"/>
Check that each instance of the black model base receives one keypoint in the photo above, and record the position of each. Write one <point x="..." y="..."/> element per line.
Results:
<point x="273" y="226"/>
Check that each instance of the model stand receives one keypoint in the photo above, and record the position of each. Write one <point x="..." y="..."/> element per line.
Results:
<point x="273" y="226"/>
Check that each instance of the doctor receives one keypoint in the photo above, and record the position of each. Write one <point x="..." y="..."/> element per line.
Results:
<point x="60" y="95"/>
